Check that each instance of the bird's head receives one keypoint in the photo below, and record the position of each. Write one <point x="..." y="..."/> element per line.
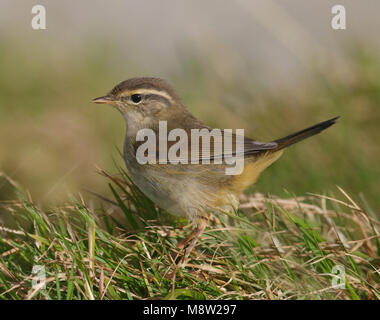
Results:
<point x="143" y="99"/>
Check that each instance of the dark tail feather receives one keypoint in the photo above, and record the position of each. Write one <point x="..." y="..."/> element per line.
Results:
<point x="303" y="134"/>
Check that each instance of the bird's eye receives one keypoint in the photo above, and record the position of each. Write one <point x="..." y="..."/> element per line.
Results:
<point x="136" y="98"/>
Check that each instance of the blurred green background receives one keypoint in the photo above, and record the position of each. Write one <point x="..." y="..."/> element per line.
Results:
<point x="268" y="67"/>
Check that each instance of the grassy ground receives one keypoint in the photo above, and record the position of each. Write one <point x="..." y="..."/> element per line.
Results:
<point x="273" y="248"/>
<point x="277" y="247"/>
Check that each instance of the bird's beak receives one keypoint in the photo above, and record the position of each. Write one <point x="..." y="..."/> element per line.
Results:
<point x="104" y="100"/>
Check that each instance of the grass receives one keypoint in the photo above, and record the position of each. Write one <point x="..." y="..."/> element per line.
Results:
<point x="275" y="247"/>
<point x="272" y="248"/>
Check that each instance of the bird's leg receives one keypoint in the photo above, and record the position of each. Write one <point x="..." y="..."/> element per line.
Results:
<point x="183" y="242"/>
<point x="194" y="235"/>
<point x="202" y="222"/>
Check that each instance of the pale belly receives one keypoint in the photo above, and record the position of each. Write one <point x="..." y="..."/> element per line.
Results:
<point x="183" y="193"/>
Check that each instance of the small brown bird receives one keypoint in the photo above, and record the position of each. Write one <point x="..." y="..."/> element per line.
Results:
<point x="191" y="190"/>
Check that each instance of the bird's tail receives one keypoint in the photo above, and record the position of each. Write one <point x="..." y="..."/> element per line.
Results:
<point x="303" y="134"/>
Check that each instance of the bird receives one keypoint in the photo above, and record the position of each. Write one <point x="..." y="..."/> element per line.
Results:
<point x="192" y="190"/>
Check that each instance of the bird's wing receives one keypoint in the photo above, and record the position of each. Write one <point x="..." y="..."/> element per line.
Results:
<point x="204" y="145"/>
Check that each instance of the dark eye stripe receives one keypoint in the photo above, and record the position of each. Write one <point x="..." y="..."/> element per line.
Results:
<point x="157" y="97"/>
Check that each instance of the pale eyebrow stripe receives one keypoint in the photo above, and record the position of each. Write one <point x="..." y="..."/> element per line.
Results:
<point x="149" y="91"/>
